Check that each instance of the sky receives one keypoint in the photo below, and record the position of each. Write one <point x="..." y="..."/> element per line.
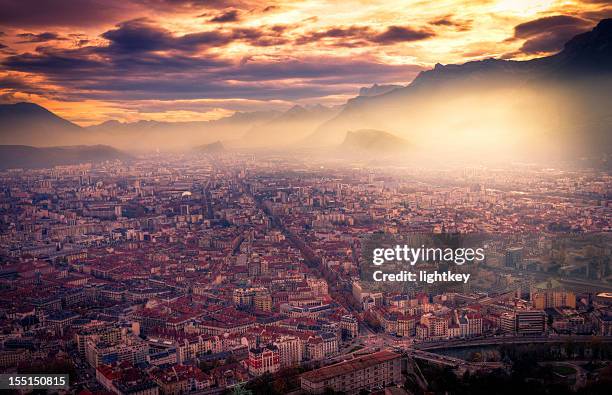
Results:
<point x="91" y="61"/>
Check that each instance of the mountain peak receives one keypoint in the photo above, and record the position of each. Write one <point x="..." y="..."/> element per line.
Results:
<point x="34" y="123"/>
<point x="376" y="90"/>
<point x="372" y="140"/>
<point x="590" y="51"/>
<point x="24" y="107"/>
<point x="214" y="147"/>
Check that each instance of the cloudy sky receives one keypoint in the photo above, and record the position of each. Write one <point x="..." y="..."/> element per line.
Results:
<point x="181" y="60"/>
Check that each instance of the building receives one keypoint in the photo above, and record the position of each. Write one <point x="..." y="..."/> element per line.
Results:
<point x="264" y="360"/>
<point x="187" y="349"/>
<point x="259" y="298"/>
<point x="437" y="327"/>
<point x="330" y="344"/>
<point x="124" y="379"/>
<point x="262" y="299"/>
<point x="244" y="297"/>
<point x="371" y="371"/>
<point x="180" y="379"/>
<point x="58" y="321"/>
<point x="290" y="350"/>
<point x="603" y="320"/>
<point x="507" y="323"/>
<point x="110" y="334"/>
<point x="545" y="299"/>
<point x="513" y="257"/>
<point x="473" y="325"/>
<point x="134" y="351"/>
<point x="350" y="327"/>
<point x="530" y="322"/>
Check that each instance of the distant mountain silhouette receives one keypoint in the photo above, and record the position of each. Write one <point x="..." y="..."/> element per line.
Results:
<point x="173" y="135"/>
<point x="289" y="127"/>
<point x="25" y="123"/>
<point x="215" y="147"/>
<point x="373" y="141"/>
<point x="31" y="124"/>
<point x="376" y="90"/>
<point x="559" y="103"/>
<point x="23" y="156"/>
<point x="587" y="52"/>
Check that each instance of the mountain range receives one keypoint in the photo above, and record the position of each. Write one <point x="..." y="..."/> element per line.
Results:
<point x="553" y="105"/>
<point x="545" y="107"/>
<point x="29" y="123"/>
<point x="290" y="127"/>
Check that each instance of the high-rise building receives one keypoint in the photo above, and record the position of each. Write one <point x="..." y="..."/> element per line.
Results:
<point x="553" y="298"/>
<point x="507" y="323"/>
<point x="530" y="322"/>
<point x="290" y="350"/>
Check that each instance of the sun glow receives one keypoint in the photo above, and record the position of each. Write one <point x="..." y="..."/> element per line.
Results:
<point x="523" y="8"/>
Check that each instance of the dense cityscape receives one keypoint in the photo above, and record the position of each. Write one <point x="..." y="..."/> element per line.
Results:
<point x="229" y="273"/>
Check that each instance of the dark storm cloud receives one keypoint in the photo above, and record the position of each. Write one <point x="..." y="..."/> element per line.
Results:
<point x="88" y="13"/>
<point x="141" y="35"/>
<point x="139" y="59"/>
<point x="341" y="36"/>
<point x="39" y="37"/>
<point x="342" y="69"/>
<point x="450" y="21"/>
<point x="547" y="24"/>
<point x="13" y="84"/>
<point x="138" y="35"/>
<point x="350" y="36"/>
<point x="45" y="13"/>
<point x="396" y="34"/>
<point x="598" y="15"/>
<point x="228" y="16"/>
<point x="50" y="64"/>
<point x="548" y="34"/>
<point x="174" y="5"/>
<point x="110" y="73"/>
<point x="6" y="50"/>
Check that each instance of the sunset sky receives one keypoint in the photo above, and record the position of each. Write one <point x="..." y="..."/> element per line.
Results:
<point x="180" y="60"/>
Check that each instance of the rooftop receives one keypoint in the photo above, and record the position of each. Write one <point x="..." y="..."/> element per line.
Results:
<point x="353" y="365"/>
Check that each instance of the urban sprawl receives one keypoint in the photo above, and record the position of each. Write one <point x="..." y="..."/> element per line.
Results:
<point x="200" y="274"/>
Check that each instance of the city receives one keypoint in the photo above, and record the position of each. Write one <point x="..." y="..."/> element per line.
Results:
<point x="296" y="197"/>
<point x="215" y="273"/>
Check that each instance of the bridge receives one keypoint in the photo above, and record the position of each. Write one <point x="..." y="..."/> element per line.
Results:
<point x="511" y="340"/>
<point x="455" y="363"/>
